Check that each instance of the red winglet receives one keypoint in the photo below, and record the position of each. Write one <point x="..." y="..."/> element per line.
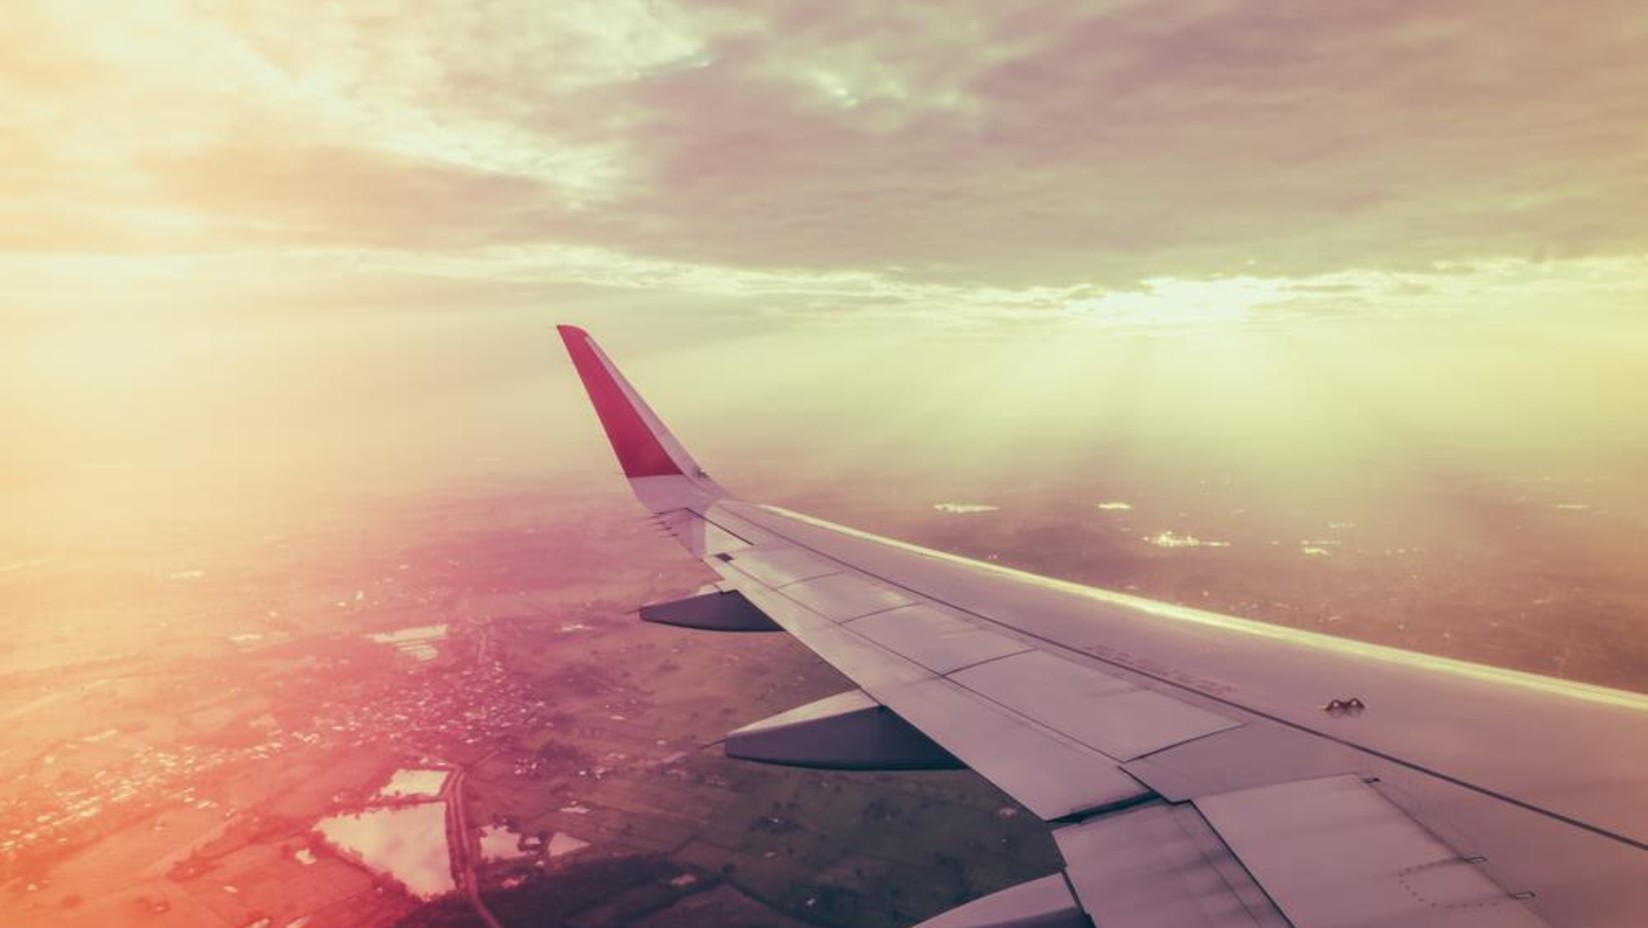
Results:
<point x="633" y="440"/>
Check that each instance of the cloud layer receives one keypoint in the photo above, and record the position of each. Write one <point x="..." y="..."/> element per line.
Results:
<point x="958" y="158"/>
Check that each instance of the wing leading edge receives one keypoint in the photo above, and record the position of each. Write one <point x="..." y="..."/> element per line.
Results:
<point x="1183" y="758"/>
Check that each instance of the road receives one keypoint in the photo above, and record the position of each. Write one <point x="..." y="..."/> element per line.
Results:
<point x="462" y="840"/>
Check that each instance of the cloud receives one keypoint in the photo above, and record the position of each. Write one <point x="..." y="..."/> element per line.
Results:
<point x="850" y="156"/>
<point x="1153" y="141"/>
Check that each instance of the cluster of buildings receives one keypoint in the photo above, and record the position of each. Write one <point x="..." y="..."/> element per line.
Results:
<point x="88" y="799"/>
<point x="77" y="795"/>
<point x="435" y="705"/>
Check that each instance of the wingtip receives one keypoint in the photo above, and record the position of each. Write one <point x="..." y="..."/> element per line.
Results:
<point x="635" y="437"/>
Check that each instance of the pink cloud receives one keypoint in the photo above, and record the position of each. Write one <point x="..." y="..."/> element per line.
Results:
<point x="1036" y="145"/>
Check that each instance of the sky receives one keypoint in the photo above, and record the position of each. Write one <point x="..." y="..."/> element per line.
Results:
<point x="250" y="247"/>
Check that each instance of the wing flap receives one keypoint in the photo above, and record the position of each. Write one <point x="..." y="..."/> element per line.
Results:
<point x="1050" y="775"/>
<point x="1161" y="866"/>
<point x="1333" y="853"/>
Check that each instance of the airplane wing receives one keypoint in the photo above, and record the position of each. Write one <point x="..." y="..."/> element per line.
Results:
<point x="1197" y="770"/>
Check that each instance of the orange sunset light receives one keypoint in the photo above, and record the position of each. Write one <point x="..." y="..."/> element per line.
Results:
<point x="1333" y="316"/>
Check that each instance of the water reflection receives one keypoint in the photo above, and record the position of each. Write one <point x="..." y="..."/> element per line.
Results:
<point x="964" y="508"/>
<point x="414" y="783"/>
<point x="1170" y="540"/>
<point x="561" y="844"/>
<point x="417" y="643"/>
<point x="499" y="843"/>
<point x="407" y="842"/>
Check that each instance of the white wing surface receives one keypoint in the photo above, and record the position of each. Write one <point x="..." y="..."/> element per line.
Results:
<point x="1196" y="769"/>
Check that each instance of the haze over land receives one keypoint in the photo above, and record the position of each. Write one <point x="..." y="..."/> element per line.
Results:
<point x="1331" y="316"/>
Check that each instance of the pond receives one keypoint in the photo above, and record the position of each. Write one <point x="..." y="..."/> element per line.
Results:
<point x="407" y="843"/>
<point x="414" y="783"/>
<point x="417" y="643"/>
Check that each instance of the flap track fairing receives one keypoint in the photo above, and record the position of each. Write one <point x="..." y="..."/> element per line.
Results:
<point x="718" y="611"/>
<point x="848" y="731"/>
